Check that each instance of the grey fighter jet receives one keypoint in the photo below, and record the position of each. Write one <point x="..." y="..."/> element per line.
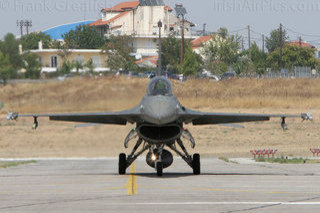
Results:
<point x="160" y="120"/>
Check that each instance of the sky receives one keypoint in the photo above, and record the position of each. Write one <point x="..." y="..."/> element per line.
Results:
<point x="299" y="17"/>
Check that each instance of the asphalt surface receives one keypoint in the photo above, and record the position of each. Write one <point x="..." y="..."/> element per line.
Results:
<point x="95" y="186"/>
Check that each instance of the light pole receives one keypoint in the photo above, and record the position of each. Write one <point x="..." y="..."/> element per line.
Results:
<point x="159" y="61"/>
<point x="181" y="11"/>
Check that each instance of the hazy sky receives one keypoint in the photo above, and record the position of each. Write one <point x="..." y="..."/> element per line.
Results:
<point x="262" y="15"/>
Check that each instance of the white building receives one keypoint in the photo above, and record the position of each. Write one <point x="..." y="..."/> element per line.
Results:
<point x="52" y="59"/>
<point x="140" y="20"/>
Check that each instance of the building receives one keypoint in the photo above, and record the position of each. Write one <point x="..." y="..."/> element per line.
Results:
<point x="305" y="44"/>
<point x="301" y="44"/>
<point x="140" y="20"/>
<point x="58" y="31"/>
<point x="197" y="44"/>
<point x="52" y="59"/>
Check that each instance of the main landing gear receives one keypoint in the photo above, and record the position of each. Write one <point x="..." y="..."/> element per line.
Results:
<point x="158" y="157"/>
<point x="122" y="164"/>
<point x="192" y="161"/>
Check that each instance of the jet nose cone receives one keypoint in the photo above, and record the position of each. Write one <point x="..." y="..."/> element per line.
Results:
<point x="160" y="111"/>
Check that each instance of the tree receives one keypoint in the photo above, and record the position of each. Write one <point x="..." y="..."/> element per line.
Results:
<point x="191" y="63"/>
<point x="66" y="67"/>
<point x="64" y="53"/>
<point x="242" y="65"/>
<point x="31" y="41"/>
<point x="171" y="53"/>
<point x="221" y="52"/>
<point x="77" y="65"/>
<point x="10" y="46"/>
<point x="55" y="44"/>
<point x="83" y="37"/>
<point x="258" y="59"/>
<point x="90" y="66"/>
<point x="6" y="71"/>
<point x="118" y="49"/>
<point x="292" y="56"/>
<point x="274" y="41"/>
<point x="223" y="32"/>
<point x="32" y="65"/>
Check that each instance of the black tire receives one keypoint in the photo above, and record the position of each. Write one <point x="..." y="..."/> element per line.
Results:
<point x="196" y="164"/>
<point x="159" y="166"/>
<point x="122" y="164"/>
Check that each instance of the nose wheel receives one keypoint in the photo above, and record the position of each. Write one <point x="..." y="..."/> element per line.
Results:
<point x="159" y="167"/>
<point x="122" y="164"/>
<point x="196" y="164"/>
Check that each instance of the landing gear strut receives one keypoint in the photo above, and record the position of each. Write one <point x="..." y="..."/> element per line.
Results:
<point x="125" y="162"/>
<point x="193" y="162"/>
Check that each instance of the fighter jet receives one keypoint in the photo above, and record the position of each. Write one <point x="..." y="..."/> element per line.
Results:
<point x="159" y="119"/>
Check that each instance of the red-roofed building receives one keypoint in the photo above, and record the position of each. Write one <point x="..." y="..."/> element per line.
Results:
<point x="140" y="20"/>
<point x="196" y="43"/>
<point x="199" y="42"/>
<point x="302" y="44"/>
<point x="305" y="44"/>
<point x="123" y="6"/>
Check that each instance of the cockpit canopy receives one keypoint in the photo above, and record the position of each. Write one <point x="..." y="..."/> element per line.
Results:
<point x="159" y="86"/>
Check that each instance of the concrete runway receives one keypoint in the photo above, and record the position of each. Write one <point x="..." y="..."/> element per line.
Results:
<point x="94" y="186"/>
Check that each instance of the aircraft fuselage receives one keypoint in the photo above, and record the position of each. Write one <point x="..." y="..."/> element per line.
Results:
<point x="160" y="119"/>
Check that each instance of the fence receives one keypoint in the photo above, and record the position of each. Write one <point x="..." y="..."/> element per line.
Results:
<point x="296" y="72"/>
<point x="263" y="153"/>
<point x="315" y="152"/>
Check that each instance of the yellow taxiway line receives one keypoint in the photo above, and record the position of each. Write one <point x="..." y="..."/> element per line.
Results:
<point x="132" y="182"/>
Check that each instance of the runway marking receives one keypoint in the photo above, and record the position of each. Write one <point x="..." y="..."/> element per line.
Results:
<point x="132" y="182"/>
<point x="224" y="203"/>
<point x="114" y="188"/>
<point x="224" y="190"/>
<point x="59" y="159"/>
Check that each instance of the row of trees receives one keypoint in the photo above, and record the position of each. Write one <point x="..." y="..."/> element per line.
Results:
<point x="224" y="51"/>
<point x="218" y="55"/>
<point x="11" y="60"/>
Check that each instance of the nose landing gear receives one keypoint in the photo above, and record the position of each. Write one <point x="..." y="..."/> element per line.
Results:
<point x="159" y="168"/>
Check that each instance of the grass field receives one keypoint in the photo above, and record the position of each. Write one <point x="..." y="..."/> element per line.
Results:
<point x="115" y="93"/>
<point x="289" y="161"/>
<point x="5" y="164"/>
<point x="53" y="139"/>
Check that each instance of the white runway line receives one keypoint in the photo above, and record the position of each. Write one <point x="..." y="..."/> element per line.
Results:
<point x="222" y="203"/>
<point x="58" y="159"/>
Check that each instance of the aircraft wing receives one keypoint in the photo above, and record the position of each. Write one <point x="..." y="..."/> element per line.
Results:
<point x="202" y="118"/>
<point x="117" y="118"/>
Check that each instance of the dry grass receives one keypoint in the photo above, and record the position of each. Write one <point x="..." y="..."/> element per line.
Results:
<point x="251" y="93"/>
<point x="54" y="139"/>
<point x="114" y="93"/>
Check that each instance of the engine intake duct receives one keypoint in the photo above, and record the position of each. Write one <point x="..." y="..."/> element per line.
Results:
<point x="158" y="134"/>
